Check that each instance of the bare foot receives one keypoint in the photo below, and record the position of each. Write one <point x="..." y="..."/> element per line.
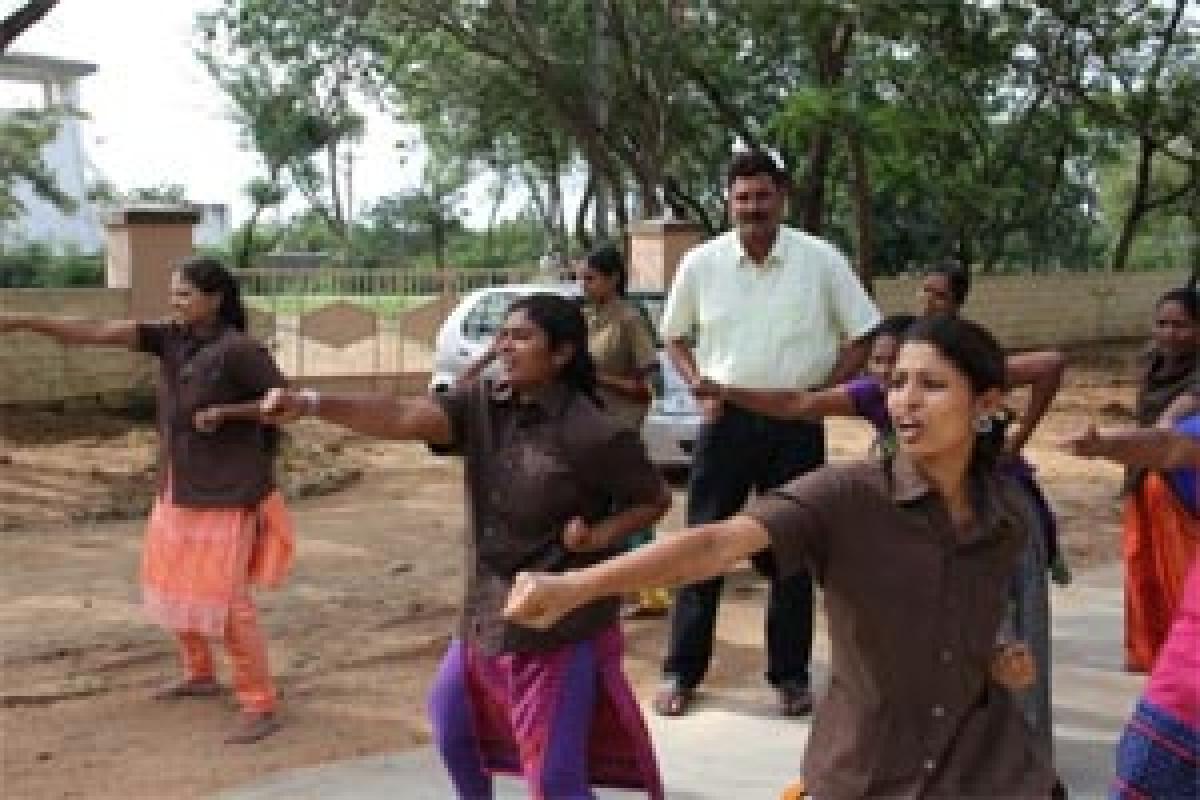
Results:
<point x="253" y="727"/>
<point x="190" y="687"/>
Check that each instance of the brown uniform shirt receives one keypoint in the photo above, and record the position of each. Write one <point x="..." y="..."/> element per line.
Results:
<point x="620" y="343"/>
<point x="231" y="467"/>
<point x="530" y="468"/>
<point x="913" y="610"/>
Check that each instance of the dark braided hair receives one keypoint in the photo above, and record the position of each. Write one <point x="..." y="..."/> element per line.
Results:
<point x="210" y="276"/>
<point x="563" y="323"/>
<point x="975" y="353"/>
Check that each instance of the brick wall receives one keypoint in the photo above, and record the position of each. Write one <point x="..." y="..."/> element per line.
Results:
<point x="1052" y="310"/>
<point x="35" y="370"/>
<point x="1022" y="310"/>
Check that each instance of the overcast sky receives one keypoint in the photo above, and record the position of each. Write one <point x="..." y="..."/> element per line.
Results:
<point x="155" y="116"/>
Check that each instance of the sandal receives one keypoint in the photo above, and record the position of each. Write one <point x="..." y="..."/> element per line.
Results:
<point x="794" y="700"/>
<point x="673" y="699"/>
<point x="190" y="687"/>
<point x="253" y="727"/>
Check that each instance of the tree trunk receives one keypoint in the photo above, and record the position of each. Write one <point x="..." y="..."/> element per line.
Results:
<point x="1137" y="205"/>
<point x="335" y="191"/>
<point x="581" y="214"/>
<point x="831" y="66"/>
<point x="22" y="19"/>
<point x="861" y="195"/>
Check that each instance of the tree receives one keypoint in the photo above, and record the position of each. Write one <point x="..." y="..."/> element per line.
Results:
<point x="1133" y="67"/>
<point x="290" y="72"/>
<point x="23" y="134"/>
<point x="21" y="19"/>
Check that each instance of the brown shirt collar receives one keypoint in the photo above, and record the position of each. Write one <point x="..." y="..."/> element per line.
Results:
<point x="909" y="486"/>
<point x="550" y="400"/>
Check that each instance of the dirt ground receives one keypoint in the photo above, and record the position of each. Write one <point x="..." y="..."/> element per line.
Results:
<point x="356" y="633"/>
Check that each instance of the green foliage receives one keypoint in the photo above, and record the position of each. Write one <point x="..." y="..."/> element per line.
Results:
<point x="37" y="266"/>
<point x="23" y="134"/>
<point x="913" y="130"/>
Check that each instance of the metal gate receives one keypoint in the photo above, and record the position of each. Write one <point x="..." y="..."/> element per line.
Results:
<point x="359" y="328"/>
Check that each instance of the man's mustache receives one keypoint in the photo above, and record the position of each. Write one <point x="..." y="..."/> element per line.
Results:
<point x="752" y="216"/>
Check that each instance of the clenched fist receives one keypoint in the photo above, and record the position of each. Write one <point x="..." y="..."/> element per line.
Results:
<point x="538" y="600"/>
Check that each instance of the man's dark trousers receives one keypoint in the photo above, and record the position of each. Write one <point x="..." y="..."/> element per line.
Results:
<point x="738" y="452"/>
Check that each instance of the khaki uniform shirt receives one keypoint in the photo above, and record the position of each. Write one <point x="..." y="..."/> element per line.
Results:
<point x="621" y="345"/>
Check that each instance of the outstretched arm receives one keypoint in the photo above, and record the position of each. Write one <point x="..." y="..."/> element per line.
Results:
<point x="1042" y="371"/>
<point x="800" y="404"/>
<point x="1149" y="448"/>
<point x="111" y="333"/>
<point x="540" y="600"/>
<point x="383" y="416"/>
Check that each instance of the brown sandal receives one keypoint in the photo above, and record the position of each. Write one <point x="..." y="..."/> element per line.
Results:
<point x="189" y="687"/>
<point x="673" y="699"/>
<point x="253" y="727"/>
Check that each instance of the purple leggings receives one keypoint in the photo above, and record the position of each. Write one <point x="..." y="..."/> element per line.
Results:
<point x="550" y="701"/>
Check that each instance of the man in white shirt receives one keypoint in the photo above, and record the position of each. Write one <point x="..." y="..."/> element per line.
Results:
<point x="762" y="306"/>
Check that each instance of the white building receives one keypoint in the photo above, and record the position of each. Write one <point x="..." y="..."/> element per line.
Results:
<point x="31" y="81"/>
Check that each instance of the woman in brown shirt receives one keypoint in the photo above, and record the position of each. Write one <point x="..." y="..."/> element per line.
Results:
<point x="218" y="524"/>
<point x="623" y="349"/>
<point x="915" y="553"/>
<point x="545" y="466"/>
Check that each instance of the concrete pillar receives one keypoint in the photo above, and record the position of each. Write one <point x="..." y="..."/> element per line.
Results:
<point x="143" y="243"/>
<point x="655" y="247"/>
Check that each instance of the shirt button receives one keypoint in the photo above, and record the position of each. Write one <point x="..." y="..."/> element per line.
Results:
<point x="930" y="765"/>
<point x="947" y="656"/>
<point x="939" y="711"/>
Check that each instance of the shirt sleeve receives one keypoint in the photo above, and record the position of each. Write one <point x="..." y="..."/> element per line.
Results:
<point x="798" y="517"/>
<point x="152" y="337"/>
<point x="620" y="464"/>
<point x="455" y="403"/>
<point x="679" y="315"/>
<point x="854" y="310"/>
<point x="254" y="370"/>
<point x="870" y="401"/>
<point x="641" y="343"/>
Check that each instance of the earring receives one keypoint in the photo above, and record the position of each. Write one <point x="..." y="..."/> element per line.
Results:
<point x="984" y="423"/>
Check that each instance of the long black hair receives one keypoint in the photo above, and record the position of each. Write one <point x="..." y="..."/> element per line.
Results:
<point x="977" y="355"/>
<point x="210" y="276"/>
<point x="562" y="322"/>
<point x="607" y="260"/>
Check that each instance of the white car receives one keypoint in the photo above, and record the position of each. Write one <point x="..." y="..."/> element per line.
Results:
<point x="674" y="418"/>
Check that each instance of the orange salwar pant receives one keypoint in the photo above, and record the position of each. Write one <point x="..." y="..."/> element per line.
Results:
<point x="1161" y="538"/>
<point x="247" y="648"/>
<point x="197" y="569"/>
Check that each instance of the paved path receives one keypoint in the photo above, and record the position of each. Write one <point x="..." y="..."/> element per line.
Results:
<point x="729" y="749"/>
